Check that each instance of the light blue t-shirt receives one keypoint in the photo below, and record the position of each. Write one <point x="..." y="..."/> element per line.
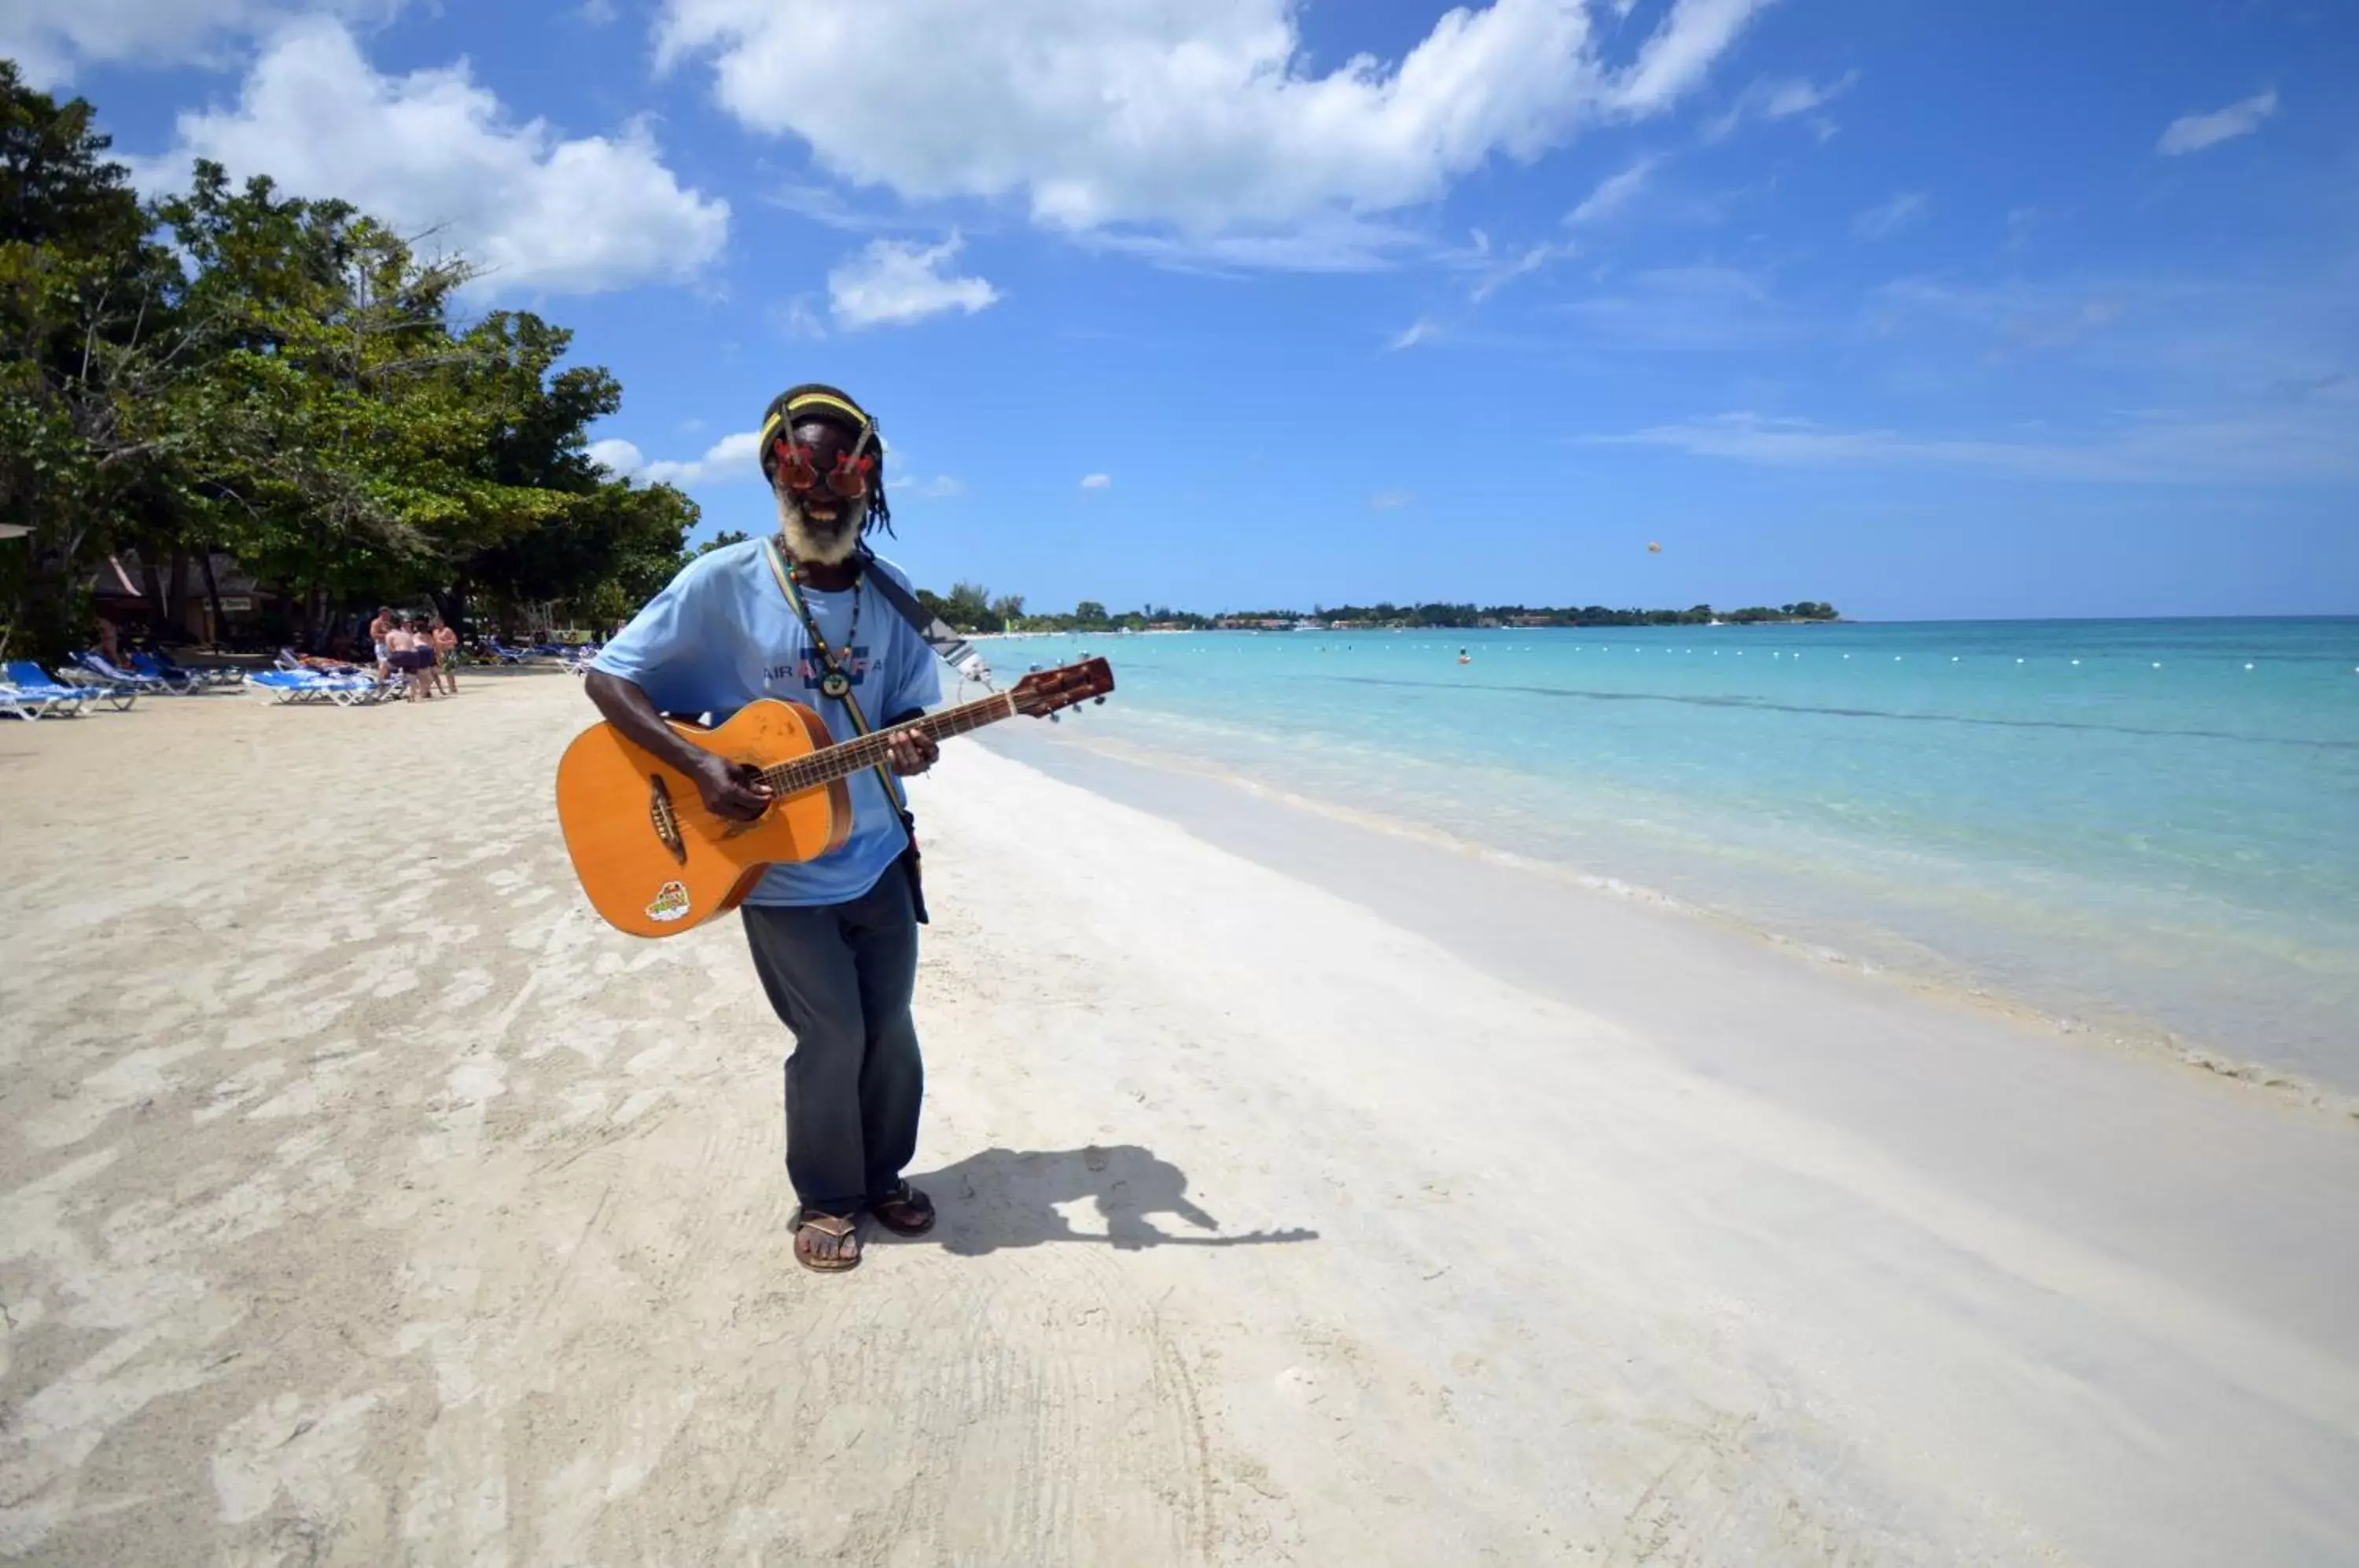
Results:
<point x="722" y="635"/>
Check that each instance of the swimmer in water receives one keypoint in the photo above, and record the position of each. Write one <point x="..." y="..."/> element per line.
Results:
<point x="1465" y="657"/>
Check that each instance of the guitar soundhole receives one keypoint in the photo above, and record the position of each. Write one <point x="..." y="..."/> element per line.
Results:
<point x="667" y="820"/>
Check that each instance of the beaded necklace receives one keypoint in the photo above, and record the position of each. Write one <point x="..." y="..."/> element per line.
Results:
<point x="833" y="683"/>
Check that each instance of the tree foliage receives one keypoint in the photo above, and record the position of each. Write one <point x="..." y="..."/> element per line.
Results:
<point x="971" y="608"/>
<point x="292" y="382"/>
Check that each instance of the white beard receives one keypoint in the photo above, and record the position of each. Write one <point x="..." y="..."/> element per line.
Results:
<point x="820" y="544"/>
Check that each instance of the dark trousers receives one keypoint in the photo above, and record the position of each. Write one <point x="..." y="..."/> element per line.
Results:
<point x="841" y="976"/>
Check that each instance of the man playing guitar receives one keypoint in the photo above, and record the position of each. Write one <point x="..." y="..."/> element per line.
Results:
<point x="834" y="939"/>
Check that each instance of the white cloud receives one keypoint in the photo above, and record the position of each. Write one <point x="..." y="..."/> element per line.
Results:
<point x="50" y="39"/>
<point x="1675" y="60"/>
<point x="1174" y="112"/>
<point x="796" y="319"/>
<point x="2160" y="449"/>
<point x="1888" y="218"/>
<point x="1097" y="481"/>
<point x="824" y="206"/>
<point x="1702" y="309"/>
<point x="620" y="458"/>
<point x="901" y="482"/>
<point x="1522" y="265"/>
<point x="733" y="457"/>
<point x="1781" y="99"/>
<point x="435" y="150"/>
<point x="730" y="459"/>
<point x="895" y="282"/>
<point x="2193" y="133"/>
<point x="1612" y="193"/>
<point x="1422" y="330"/>
<point x="1389" y="500"/>
<point x="2181" y="338"/>
<point x="1326" y="242"/>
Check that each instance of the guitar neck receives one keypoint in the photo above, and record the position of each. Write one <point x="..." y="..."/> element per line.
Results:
<point x="840" y="761"/>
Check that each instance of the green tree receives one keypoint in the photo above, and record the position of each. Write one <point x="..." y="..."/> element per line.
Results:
<point x="969" y="608"/>
<point x="86" y="327"/>
<point x="323" y="425"/>
<point x="288" y="383"/>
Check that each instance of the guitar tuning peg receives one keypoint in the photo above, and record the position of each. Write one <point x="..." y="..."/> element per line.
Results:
<point x="1097" y="701"/>
<point x="1055" y="718"/>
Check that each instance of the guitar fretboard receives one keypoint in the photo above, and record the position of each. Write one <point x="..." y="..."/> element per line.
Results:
<point x="840" y="761"/>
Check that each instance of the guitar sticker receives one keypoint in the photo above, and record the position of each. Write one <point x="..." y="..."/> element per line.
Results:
<point x="670" y="903"/>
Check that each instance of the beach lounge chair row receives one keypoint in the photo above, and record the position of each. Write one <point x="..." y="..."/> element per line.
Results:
<point x="507" y="653"/>
<point x="33" y="691"/>
<point x="573" y="657"/>
<point x="91" y="668"/>
<point x="29" y="691"/>
<point x="181" y="677"/>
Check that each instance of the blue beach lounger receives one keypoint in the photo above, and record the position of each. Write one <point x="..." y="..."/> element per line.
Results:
<point x="181" y="683"/>
<point x="300" y="686"/>
<point x="27" y="676"/>
<point x="97" y="664"/>
<point x="42" y="702"/>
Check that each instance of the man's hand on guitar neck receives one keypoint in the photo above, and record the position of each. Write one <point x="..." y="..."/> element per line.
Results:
<point x="910" y="751"/>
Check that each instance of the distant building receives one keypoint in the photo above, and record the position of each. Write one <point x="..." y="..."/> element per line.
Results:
<point x="174" y="598"/>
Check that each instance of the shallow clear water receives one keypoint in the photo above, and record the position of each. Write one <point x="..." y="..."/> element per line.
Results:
<point x="2114" y="820"/>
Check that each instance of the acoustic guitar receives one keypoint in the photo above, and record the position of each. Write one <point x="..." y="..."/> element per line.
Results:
<point x="656" y="863"/>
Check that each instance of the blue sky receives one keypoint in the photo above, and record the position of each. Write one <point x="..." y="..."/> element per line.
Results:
<point x="1932" y="311"/>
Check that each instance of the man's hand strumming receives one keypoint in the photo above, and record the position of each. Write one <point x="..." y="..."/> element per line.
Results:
<point x="731" y="789"/>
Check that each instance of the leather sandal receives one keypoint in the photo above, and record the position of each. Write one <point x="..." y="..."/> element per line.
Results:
<point x="837" y="1228"/>
<point x="904" y="1211"/>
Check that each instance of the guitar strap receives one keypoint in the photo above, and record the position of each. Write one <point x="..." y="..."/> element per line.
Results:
<point x="850" y="704"/>
<point x="949" y="647"/>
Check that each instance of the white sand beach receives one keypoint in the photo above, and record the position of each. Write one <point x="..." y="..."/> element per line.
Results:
<point x="1308" y="1196"/>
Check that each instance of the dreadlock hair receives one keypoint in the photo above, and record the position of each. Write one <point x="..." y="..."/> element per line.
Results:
<point x="814" y="400"/>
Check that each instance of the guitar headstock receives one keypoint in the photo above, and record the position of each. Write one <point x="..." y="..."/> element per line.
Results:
<point x="1045" y="692"/>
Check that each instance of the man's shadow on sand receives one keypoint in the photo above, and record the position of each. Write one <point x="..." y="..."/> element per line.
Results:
<point x="1006" y="1197"/>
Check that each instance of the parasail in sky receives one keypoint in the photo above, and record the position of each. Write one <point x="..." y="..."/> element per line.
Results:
<point x="1654" y="549"/>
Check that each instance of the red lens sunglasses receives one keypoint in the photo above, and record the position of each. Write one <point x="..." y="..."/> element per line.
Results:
<point x="798" y="469"/>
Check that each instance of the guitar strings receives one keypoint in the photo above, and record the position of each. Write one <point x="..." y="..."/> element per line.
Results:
<point x="837" y="761"/>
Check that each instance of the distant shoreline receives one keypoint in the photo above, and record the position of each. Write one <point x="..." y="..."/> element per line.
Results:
<point x="1290" y="628"/>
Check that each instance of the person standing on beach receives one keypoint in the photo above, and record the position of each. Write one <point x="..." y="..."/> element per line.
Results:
<point x="834" y="940"/>
<point x="446" y="654"/>
<point x="399" y="651"/>
<point x="379" y="631"/>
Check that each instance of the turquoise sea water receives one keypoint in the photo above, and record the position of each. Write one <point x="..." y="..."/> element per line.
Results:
<point x="2151" y="827"/>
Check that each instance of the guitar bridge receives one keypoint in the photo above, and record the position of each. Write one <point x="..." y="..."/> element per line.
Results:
<point x="667" y="820"/>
